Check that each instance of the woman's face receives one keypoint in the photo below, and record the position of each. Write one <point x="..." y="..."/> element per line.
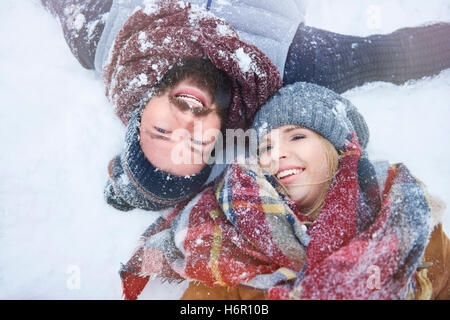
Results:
<point x="297" y="157"/>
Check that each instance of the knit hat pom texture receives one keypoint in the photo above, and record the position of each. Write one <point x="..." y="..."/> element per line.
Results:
<point x="316" y="108"/>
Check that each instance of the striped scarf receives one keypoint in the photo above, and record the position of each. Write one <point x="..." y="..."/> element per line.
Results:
<point x="366" y="242"/>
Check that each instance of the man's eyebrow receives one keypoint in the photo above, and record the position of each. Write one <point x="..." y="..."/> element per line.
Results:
<point x="156" y="133"/>
<point x="180" y="104"/>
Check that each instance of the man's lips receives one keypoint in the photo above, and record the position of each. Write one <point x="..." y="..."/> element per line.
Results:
<point x="193" y="97"/>
<point x="287" y="175"/>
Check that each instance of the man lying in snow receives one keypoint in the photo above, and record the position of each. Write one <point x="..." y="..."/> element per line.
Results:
<point x="132" y="44"/>
<point x="159" y="166"/>
<point x="171" y="69"/>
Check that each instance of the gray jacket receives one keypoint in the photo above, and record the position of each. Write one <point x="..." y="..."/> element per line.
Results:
<point x="269" y="25"/>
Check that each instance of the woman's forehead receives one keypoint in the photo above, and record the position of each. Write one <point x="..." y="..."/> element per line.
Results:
<point x="282" y="130"/>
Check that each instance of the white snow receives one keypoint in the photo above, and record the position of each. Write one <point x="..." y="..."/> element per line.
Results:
<point x="224" y="30"/>
<point x="244" y="60"/>
<point x="149" y="7"/>
<point x="138" y="81"/>
<point x="143" y="43"/>
<point x="58" y="237"/>
<point x="80" y="20"/>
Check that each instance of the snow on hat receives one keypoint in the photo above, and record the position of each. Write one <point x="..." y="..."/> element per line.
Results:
<point x="316" y="108"/>
<point x="161" y="34"/>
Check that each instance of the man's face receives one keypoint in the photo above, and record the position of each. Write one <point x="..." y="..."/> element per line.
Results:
<point x="178" y="129"/>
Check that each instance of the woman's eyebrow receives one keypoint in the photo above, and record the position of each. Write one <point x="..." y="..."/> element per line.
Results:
<point x="264" y="141"/>
<point x="292" y="128"/>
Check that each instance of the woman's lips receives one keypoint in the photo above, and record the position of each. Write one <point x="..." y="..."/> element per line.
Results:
<point x="289" y="175"/>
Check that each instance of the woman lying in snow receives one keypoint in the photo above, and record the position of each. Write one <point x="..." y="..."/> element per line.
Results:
<point x="314" y="220"/>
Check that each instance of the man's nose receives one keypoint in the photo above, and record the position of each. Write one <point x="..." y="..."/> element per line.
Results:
<point x="185" y="119"/>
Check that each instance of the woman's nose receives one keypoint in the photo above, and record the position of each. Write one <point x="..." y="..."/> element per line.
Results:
<point x="282" y="152"/>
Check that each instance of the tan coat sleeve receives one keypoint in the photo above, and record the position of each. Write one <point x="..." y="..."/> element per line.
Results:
<point x="437" y="253"/>
<point x="438" y="274"/>
<point x="198" y="291"/>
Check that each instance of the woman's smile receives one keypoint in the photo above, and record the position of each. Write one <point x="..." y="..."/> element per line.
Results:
<point x="289" y="175"/>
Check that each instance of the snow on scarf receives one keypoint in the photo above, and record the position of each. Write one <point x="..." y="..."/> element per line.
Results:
<point x="163" y="34"/>
<point x="366" y="243"/>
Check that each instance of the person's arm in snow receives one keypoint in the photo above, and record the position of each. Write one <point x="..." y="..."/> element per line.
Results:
<point x="82" y="22"/>
<point x="135" y="183"/>
<point x="342" y="62"/>
<point x="338" y="62"/>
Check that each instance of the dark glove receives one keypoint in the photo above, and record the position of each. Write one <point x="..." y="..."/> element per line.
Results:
<point x="82" y="22"/>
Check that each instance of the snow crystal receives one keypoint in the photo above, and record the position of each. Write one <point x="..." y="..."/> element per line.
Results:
<point x="79" y="21"/>
<point x="143" y="43"/>
<point x="244" y="60"/>
<point x="149" y="7"/>
<point x="224" y="30"/>
<point x="182" y="4"/>
<point x="124" y="179"/>
<point x="179" y="237"/>
<point x="75" y="19"/>
<point x="223" y="3"/>
<point x="196" y="13"/>
<point x="303" y="112"/>
<point x="199" y="241"/>
<point x="139" y="81"/>
<point x="91" y="27"/>
<point x="340" y="111"/>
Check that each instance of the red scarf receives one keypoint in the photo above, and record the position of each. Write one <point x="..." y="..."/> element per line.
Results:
<point x="245" y="231"/>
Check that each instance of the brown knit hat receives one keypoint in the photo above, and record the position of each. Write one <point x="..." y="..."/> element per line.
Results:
<point x="157" y="37"/>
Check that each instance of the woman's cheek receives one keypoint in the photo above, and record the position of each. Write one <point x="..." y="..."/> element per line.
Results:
<point x="268" y="164"/>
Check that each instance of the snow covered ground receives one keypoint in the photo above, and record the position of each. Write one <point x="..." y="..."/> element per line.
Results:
<point x="58" y="237"/>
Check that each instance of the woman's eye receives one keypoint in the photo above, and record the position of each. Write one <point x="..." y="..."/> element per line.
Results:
<point x="298" y="137"/>
<point x="264" y="149"/>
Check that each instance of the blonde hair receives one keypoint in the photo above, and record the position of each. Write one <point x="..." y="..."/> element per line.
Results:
<point x="332" y="159"/>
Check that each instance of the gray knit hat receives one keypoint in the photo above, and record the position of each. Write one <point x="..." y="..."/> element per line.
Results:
<point x="316" y="108"/>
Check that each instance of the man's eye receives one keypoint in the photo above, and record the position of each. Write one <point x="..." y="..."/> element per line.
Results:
<point x="159" y="133"/>
<point x="161" y="130"/>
